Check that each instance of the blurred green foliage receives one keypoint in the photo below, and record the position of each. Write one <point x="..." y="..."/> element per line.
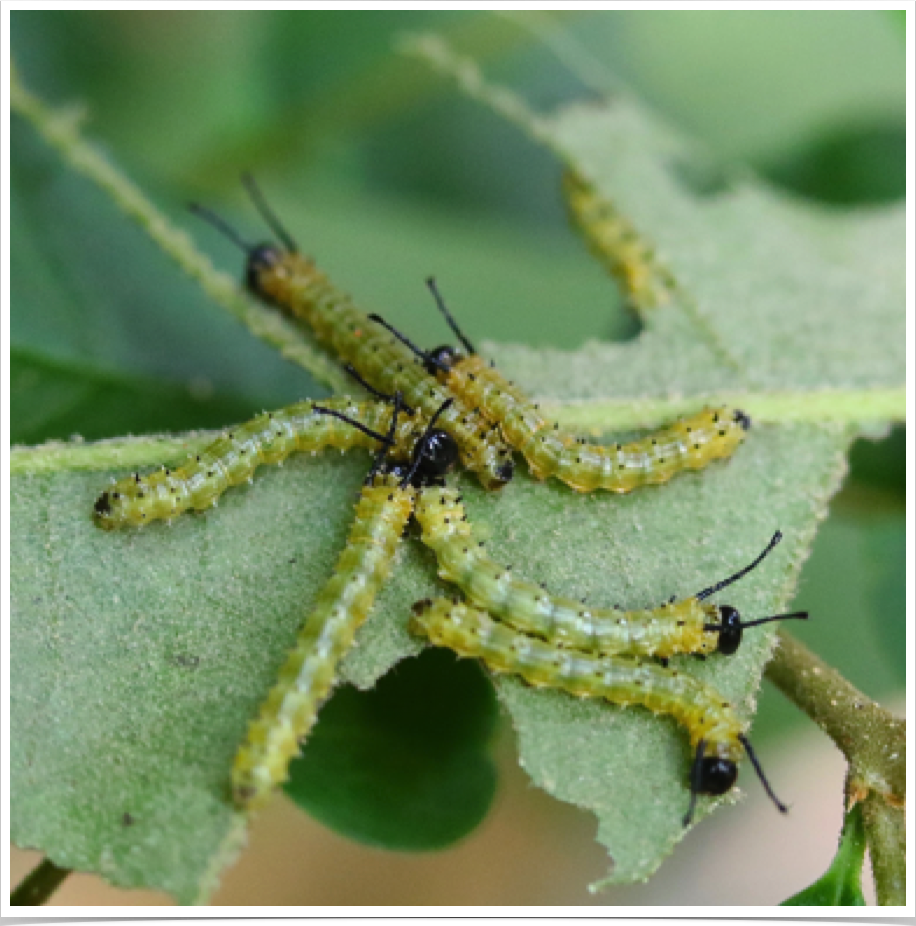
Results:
<point x="399" y="769"/>
<point x="841" y="885"/>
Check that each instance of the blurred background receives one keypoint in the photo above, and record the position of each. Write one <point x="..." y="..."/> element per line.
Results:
<point x="387" y="174"/>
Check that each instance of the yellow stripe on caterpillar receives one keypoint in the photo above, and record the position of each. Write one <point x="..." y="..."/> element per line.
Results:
<point x="691" y="443"/>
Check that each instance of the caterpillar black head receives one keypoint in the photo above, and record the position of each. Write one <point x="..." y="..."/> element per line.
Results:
<point x="110" y="509"/>
<point x="264" y="259"/>
<point x="715" y="771"/>
<point x="434" y="455"/>
<point x="729" y="627"/>
<point x="743" y="419"/>
<point x="713" y="775"/>
<point x="102" y="510"/>
<point x="440" y="359"/>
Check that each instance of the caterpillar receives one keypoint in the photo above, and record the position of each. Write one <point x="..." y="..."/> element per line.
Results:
<point x="613" y="239"/>
<point x="285" y="278"/>
<point x="233" y="458"/>
<point x="689" y="444"/>
<point x="308" y="674"/>
<point x="686" y="626"/>
<point x="716" y="733"/>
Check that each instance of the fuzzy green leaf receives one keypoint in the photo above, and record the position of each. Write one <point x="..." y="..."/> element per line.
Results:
<point x="140" y="656"/>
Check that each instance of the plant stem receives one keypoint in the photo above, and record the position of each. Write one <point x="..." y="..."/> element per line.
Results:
<point x="874" y="743"/>
<point x="885" y="828"/>
<point x="38" y="886"/>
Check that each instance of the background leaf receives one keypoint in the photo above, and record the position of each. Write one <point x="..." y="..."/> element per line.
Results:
<point x="841" y="886"/>
<point x="405" y="765"/>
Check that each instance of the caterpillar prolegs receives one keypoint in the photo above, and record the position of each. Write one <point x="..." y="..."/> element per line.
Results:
<point x="689" y="444"/>
<point x="282" y="276"/>
<point x="384" y="508"/>
<point x="233" y="458"/>
<point x="715" y="732"/>
<point x="686" y="626"/>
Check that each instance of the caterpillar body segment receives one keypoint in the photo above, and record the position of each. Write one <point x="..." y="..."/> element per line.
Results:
<point x="691" y="443"/>
<point x="686" y="626"/>
<point x="688" y="444"/>
<point x="233" y="458"/>
<point x="679" y="627"/>
<point x="499" y="400"/>
<point x="614" y="240"/>
<point x="308" y="674"/>
<point x="699" y="708"/>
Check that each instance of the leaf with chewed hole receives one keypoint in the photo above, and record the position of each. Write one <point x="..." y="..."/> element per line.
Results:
<point x="139" y="657"/>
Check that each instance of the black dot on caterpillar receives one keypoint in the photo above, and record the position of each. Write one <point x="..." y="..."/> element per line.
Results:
<point x="283" y="277"/>
<point x="686" y="626"/>
<point x="689" y="444"/>
<point x="715" y="731"/>
<point x="306" y="678"/>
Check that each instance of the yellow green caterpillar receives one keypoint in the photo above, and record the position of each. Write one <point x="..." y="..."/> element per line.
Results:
<point x="716" y="733"/>
<point x="686" y="626"/>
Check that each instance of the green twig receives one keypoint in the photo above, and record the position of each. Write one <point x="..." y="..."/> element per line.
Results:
<point x="874" y="743"/>
<point x="38" y="886"/>
<point x="885" y="827"/>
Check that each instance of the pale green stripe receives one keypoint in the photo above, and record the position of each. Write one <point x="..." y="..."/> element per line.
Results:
<point x="863" y="410"/>
<point x="834" y="406"/>
<point x="110" y="454"/>
<point x="60" y="129"/>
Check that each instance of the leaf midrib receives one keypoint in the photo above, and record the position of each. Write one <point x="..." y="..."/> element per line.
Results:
<point x="829" y="407"/>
